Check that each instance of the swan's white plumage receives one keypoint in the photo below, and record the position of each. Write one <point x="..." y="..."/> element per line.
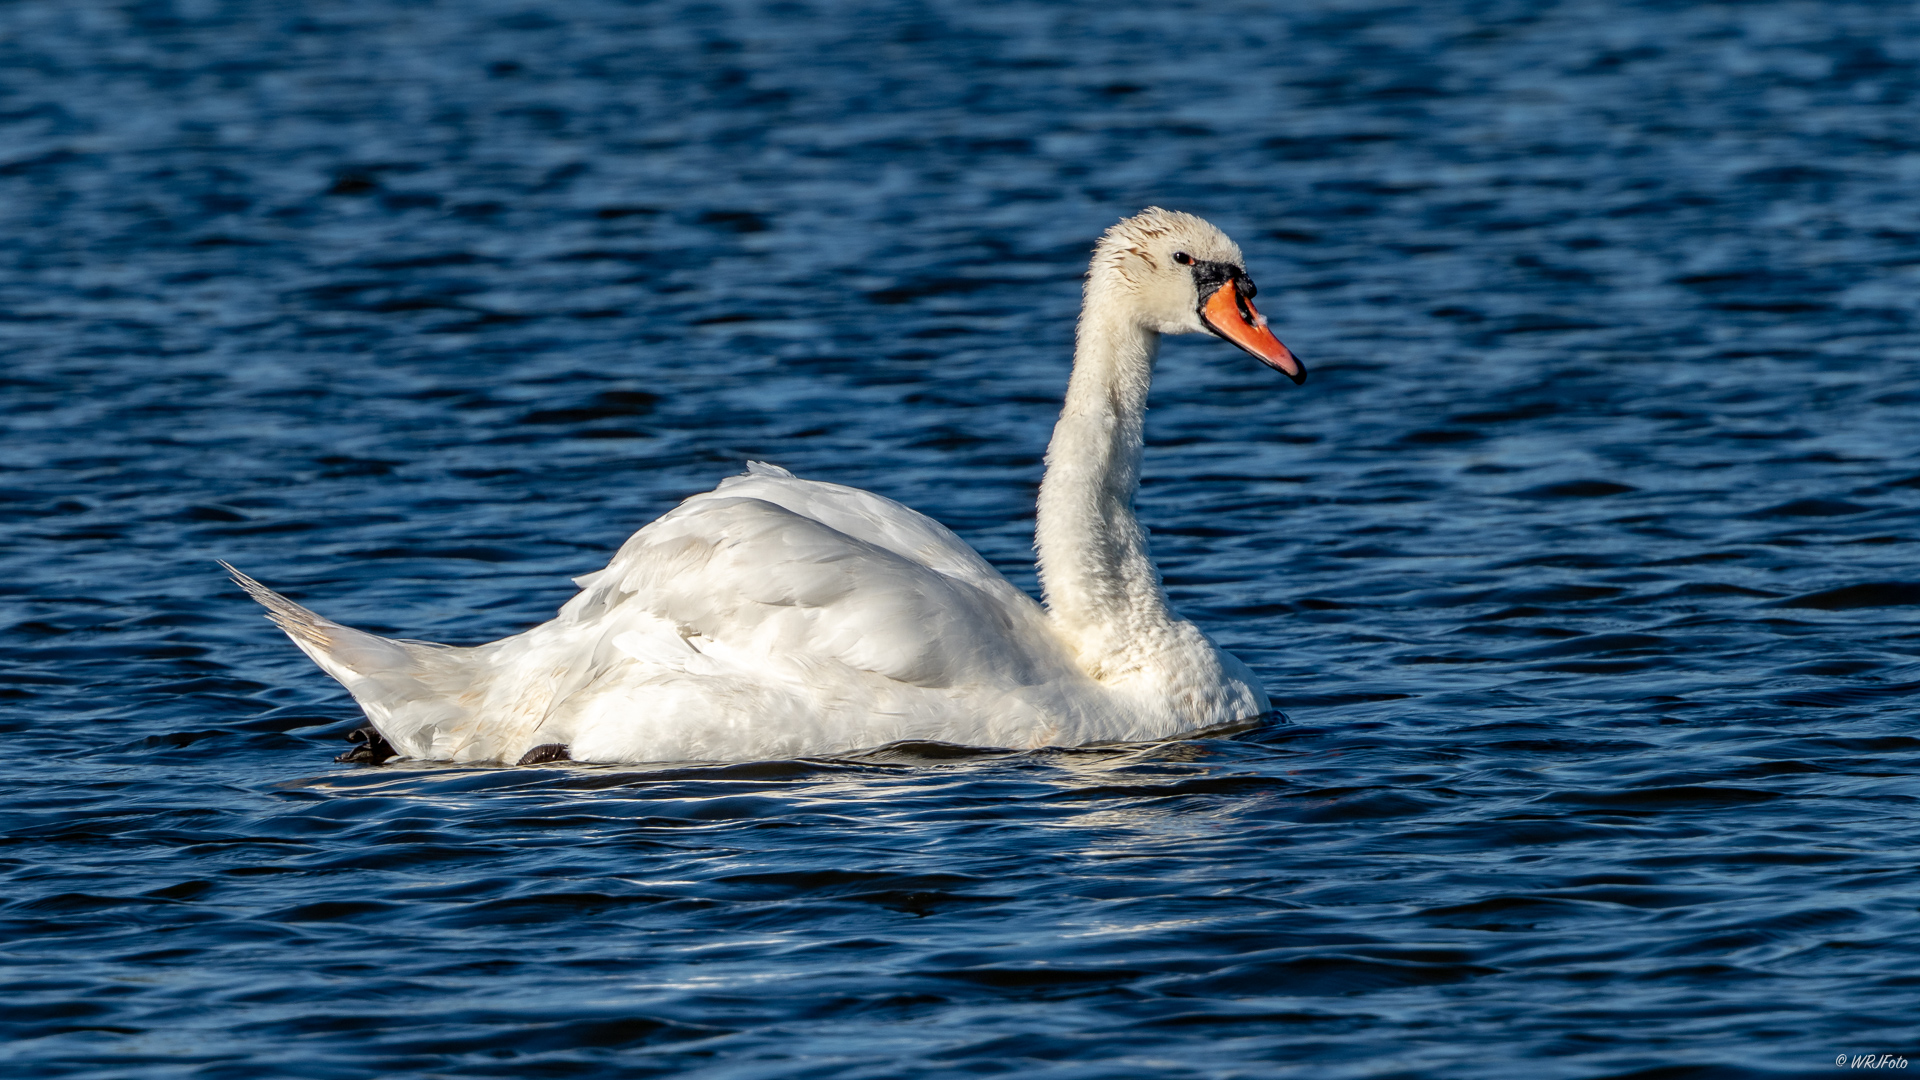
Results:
<point x="776" y="616"/>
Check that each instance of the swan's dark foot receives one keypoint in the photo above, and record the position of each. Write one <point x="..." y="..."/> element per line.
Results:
<point x="370" y="747"/>
<point x="546" y="752"/>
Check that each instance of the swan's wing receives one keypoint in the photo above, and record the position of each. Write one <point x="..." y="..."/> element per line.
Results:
<point x="735" y="627"/>
<point x="775" y="616"/>
<point x="764" y="584"/>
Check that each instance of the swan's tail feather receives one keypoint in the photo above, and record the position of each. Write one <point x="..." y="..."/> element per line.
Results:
<point x="413" y="691"/>
<point x="308" y="630"/>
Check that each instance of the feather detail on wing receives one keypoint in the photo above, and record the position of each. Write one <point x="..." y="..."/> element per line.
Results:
<point x="811" y="604"/>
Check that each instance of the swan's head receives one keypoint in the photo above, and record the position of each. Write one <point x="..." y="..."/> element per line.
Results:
<point x="1178" y="274"/>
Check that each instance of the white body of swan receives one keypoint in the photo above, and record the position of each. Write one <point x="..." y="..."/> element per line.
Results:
<point x="777" y="617"/>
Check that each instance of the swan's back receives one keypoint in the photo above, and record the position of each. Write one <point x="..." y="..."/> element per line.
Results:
<point x="871" y="518"/>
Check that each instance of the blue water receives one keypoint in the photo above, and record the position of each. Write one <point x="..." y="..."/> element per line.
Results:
<point x="1586" y="565"/>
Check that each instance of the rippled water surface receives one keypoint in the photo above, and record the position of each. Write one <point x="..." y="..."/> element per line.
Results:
<point x="1586" y="566"/>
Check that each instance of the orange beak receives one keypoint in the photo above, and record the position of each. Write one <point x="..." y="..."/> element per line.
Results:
<point x="1231" y="315"/>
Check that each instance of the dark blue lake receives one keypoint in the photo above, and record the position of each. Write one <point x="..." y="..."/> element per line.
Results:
<point x="1585" y="567"/>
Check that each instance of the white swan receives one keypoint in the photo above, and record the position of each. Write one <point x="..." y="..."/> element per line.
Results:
<point x="776" y="617"/>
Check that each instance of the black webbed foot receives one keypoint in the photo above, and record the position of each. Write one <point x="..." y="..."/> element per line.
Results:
<point x="370" y="747"/>
<point x="545" y="752"/>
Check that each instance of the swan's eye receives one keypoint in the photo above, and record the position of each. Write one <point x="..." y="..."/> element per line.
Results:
<point x="1183" y="258"/>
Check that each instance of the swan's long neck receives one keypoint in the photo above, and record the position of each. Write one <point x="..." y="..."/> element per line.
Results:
<point x="1101" y="588"/>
